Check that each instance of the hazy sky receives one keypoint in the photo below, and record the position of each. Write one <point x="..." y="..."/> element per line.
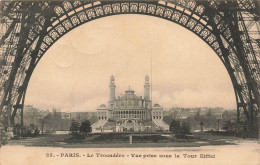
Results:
<point x="74" y="73"/>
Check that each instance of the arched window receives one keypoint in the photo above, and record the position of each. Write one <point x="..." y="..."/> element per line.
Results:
<point x="58" y="10"/>
<point x="67" y="6"/>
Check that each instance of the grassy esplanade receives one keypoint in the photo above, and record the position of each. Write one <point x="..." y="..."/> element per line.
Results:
<point x="121" y="140"/>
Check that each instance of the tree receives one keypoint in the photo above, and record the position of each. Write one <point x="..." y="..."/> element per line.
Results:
<point x="197" y="116"/>
<point x="185" y="128"/>
<point x="201" y="126"/>
<point x="175" y="126"/>
<point x="48" y="121"/>
<point x="36" y="131"/>
<point x="74" y="127"/>
<point x="85" y="127"/>
<point x="229" y="126"/>
<point x="32" y="126"/>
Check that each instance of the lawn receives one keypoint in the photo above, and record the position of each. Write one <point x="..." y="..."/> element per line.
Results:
<point x="115" y="140"/>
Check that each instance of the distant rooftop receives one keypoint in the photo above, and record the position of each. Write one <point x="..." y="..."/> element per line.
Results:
<point x="156" y="105"/>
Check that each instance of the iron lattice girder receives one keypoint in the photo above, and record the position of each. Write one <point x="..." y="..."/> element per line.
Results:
<point x="48" y="21"/>
<point x="244" y="50"/>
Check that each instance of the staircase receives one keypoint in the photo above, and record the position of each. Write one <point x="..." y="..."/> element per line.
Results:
<point x="109" y="125"/>
<point x="96" y="127"/>
<point x="162" y="124"/>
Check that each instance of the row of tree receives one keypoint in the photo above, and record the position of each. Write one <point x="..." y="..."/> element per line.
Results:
<point x="228" y="127"/>
<point x="208" y="121"/>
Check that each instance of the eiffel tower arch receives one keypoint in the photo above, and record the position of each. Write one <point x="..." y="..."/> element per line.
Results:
<point x="229" y="27"/>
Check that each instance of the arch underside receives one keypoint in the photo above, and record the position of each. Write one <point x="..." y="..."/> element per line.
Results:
<point x="33" y="34"/>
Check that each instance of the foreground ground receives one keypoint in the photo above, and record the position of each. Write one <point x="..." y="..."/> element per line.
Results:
<point x="245" y="152"/>
<point x="118" y="140"/>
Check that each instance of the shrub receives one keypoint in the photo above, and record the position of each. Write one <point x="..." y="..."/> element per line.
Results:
<point x="3" y="138"/>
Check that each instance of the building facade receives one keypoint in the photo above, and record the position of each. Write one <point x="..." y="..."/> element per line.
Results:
<point x="129" y="111"/>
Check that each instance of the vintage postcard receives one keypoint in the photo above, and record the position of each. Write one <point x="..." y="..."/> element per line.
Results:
<point x="130" y="82"/>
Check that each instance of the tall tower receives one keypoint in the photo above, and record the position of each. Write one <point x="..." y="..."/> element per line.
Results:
<point x="147" y="88"/>
<point x="112" y="87"/>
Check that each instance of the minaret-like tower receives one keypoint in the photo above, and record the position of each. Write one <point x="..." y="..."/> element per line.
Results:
<point x="112" y="87"/>
<point x="147" y="88"/>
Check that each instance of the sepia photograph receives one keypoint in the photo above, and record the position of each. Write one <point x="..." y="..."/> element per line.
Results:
<point x="130" y="82"/>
